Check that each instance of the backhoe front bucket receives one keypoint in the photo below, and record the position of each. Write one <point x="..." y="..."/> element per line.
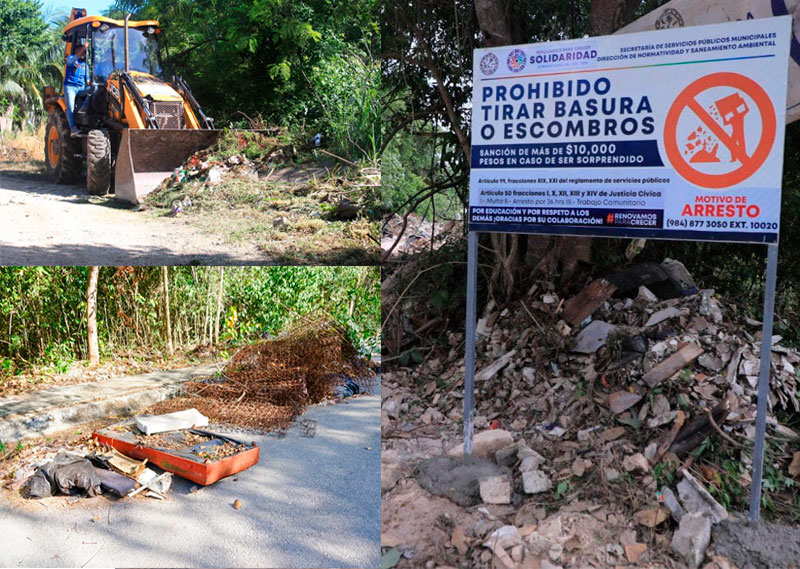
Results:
<point x="147" y="156"/>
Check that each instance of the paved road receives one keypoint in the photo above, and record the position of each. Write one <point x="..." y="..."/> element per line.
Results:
<point x="310" y="502"/>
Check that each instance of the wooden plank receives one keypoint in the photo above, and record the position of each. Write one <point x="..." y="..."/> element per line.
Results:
<point x="673" y="364"/>
<point x="586" y="302"/>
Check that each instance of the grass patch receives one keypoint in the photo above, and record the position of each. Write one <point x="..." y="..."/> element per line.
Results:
<point x="286" y="222"/>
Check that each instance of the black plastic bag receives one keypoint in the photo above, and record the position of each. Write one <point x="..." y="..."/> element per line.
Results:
<point x="65" y="474"/>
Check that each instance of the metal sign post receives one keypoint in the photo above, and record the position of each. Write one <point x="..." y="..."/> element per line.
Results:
<point x="469" y="356"/>
<point x="763" y="381"/>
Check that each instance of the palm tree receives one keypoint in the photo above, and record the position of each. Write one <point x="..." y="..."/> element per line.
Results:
<point x="22" y="78"/>
<point x="24" y="75"/>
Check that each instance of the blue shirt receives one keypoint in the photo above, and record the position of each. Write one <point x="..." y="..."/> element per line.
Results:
<point x="76" y="72"/>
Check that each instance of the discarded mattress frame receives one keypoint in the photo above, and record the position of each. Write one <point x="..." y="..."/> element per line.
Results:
<point x="185" y="461"/>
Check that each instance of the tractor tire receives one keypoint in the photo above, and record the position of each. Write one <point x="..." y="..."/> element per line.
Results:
<point x="63" y="158"/>
<point x="98" y="162"/>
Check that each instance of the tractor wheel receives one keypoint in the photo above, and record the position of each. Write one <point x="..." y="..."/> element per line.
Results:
<point x="98" y="162"/>
<point x="62" y="152"/>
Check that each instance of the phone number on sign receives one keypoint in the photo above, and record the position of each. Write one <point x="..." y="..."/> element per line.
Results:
<point x="719" y="224"/>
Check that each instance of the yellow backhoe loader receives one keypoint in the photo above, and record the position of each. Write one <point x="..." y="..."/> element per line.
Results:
<point x="133" y="124"/>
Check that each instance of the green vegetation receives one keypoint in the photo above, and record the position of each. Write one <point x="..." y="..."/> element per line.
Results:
<point x="43" y="309"/>
<point x="29" y="58"/>
<point x="307" y="65"/>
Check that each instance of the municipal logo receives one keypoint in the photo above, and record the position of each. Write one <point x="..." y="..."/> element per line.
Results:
<point x="489" y="63"/>
<point x="516" y="60"/>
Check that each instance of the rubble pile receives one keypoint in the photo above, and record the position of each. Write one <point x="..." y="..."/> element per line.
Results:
<point x="267" y="384"/>
<point x="253" y="156"/>
<point x="412" y="233"/>
<point x="618" y="421"/>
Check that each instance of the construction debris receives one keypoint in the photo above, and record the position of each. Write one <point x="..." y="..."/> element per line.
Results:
<point x="411" y="233"/>
<point x="643" y="429"/>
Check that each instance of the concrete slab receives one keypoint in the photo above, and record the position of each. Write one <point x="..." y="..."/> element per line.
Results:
<point x="47" y="411"/>
<point x="176" y="421"/>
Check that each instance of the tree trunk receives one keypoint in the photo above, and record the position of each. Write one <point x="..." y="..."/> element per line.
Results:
<point x="170" y="349"/>
<point x="494" y="19"/>
<point x="219" y="305"/>
<point x="91" y="316"/>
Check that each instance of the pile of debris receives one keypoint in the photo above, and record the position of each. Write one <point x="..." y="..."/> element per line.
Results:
<point x="115" y="459"/>
<point x="267" y="384"/>
<point x="589" y="410"/>
<point x="266" y="156"/>
<point x="411" y="233"/>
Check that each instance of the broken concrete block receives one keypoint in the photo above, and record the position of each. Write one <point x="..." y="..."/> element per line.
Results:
<point x="485" y="443"/>
<point x="634" y="551"/>
<point x="711" y="362"/>
<point x="662" y="315"/>
<point x="563" y="328"/>
<point x="692" y="537"/>
<point x="535" y="482"/>
<point x="650" y="451"/>
<point x="391" y="473"/>
<point x="622" y="401"/>
<point x="152" y="424"/>
<point x="506" y="456"/>
<point x="672" y="364"/>
<point x="496" y="490"/>
<point x="709" y="306"/>
<point x="593" y="337"/>
<point x="504" y="537"/>
<point x="671" y="503"/>
<point x="678" y="273"/>
<point x="531" y="462"/>
<point x="586" y="302"/>
<point x="651" y="517"/>
<point x="635" y="462"/>
<point x="697" y="500"/>
<point x="493" y="368"/>
<point x="646" y="296"/>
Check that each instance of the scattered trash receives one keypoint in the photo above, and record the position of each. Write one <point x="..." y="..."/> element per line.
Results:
<point x="349" y="389"/>
<point x="64" y="474"/>
<point x="639" y="427"/>
<point x="308" y="427"/>
<point x="115" y="483"/>
<point x="152" y="483"/>
<point x="237" y="504"/>
<point x="155" y="482"/>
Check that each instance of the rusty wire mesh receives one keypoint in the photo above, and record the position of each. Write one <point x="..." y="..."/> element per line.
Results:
<point x="267" y="384"/>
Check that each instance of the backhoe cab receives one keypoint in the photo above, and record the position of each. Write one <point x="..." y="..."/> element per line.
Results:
<point x="133" y="124"/>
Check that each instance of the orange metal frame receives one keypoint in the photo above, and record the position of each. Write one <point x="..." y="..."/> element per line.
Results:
<point x="197" y="471"/>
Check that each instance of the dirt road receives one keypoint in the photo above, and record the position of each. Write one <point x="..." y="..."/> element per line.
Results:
<point x="47" y="224"/>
